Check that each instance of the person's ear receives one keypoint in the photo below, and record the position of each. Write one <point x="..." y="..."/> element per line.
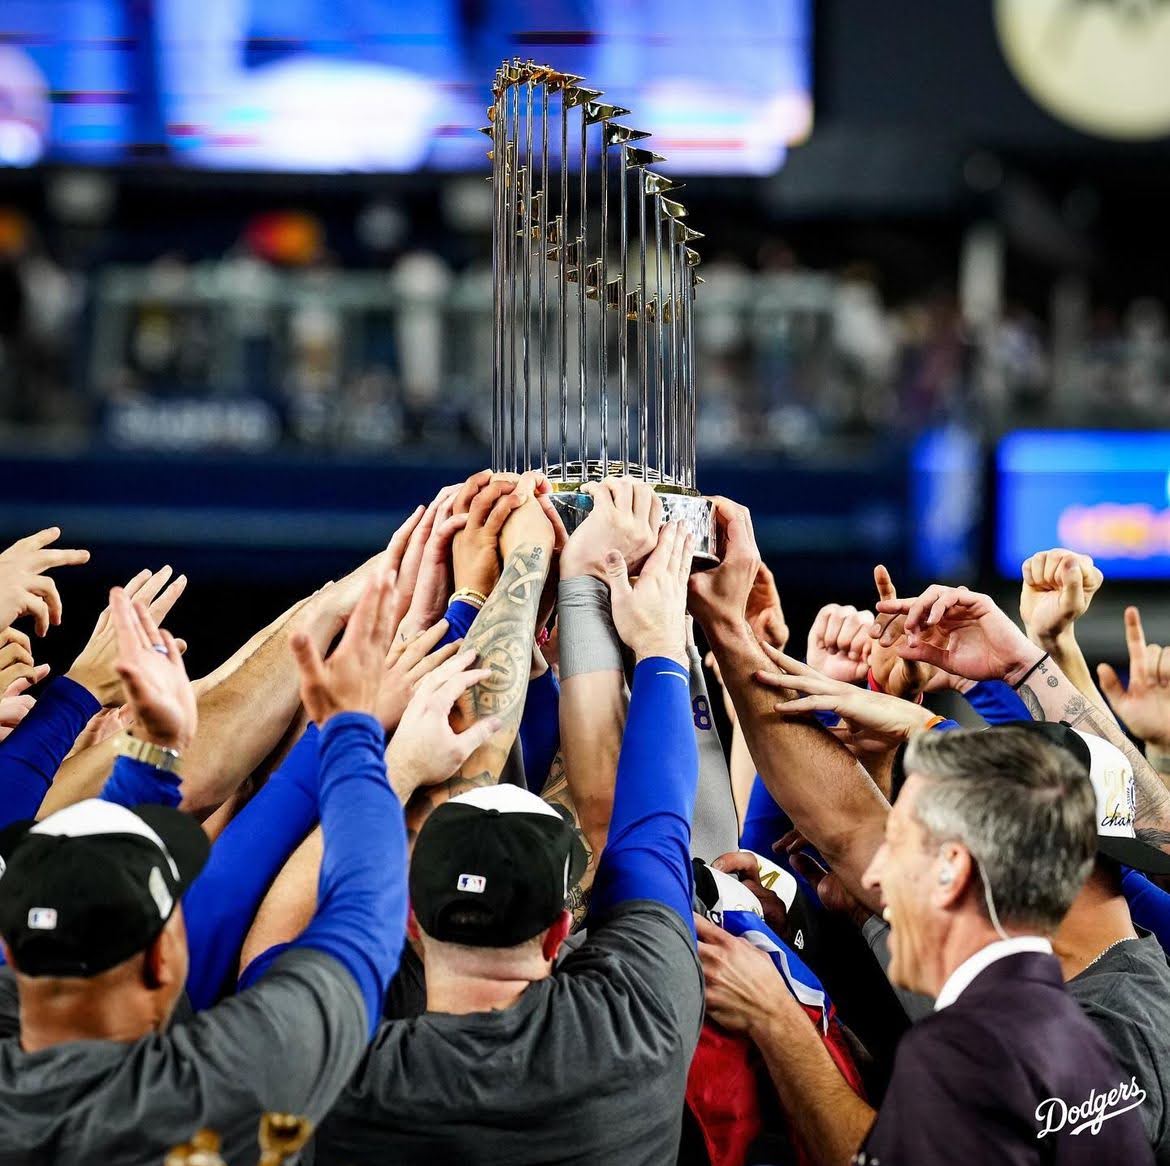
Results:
<point x="556" y="935"/>
<point x="954" y="871"/>
<point x="155" y="969"/>
<point x="413" y="931"/>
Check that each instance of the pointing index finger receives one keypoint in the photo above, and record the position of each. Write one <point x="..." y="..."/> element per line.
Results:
<point x="883" y="582"/>
<point x="1135" y="639"/>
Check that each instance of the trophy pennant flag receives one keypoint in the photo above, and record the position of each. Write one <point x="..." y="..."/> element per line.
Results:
<point x="594" y="276"/>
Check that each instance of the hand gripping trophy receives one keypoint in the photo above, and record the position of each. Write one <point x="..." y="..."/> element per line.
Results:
<point x="595" y="277"/>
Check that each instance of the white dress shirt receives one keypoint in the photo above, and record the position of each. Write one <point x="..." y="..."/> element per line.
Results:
<point x="962" y="976"/>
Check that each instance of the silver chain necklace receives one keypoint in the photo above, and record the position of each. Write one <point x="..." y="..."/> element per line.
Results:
<point x="1102" y="954"/>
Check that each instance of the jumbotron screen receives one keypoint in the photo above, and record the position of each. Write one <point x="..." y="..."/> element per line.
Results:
<point x="322" y="86"/>
<point x="1100" y="493"/>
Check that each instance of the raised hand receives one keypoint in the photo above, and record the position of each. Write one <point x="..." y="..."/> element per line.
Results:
<point x="839" y="642"/>
<point x="161" y="699"/>
<point x="1058" y="587"/>
<point x="964" y="633"/>
<point x="432" y="587"/>
<point x="650" y="615"/>
<point x="719" y="597"/>
<point x="336" y="602"/>
<point x="892" y="673"/>
<point x="15" y="705"/>
<point x="1143" y="707"/>
<point x="765" y="614"/>
<point x="425" y="750"/>
<point x="25" y="588"/>
<point x="874" y="722"/>
<point x="626" y="517"/>
<point x="16" y="661"/>
<point x="406" y="664"/>
<point x="349" y="680"/>
<point x="96" y="666"/>
<point x="528" y="525"/>
<point x="475" y="550"/>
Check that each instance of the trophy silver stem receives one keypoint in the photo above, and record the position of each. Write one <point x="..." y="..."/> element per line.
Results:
<point x="542" y="244"/>
<point x="602" y="364"/>
<point x="643" y="338"/>
<point x="684" y="364"/>
<point x="530" y="172"/>
<point x="582" y="264"/>
<point x="563" y="282"/>
<point x="672" y="368"/>
<point x="513" y="453"/>
<point x="693" y="403"/>
<point x="623" y="324"/>
<point x="659" y="336"/>
<point x="499" y="150"/>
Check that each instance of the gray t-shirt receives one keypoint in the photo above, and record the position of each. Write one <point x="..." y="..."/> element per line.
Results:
<point x="288" y="1044"/>
<point x="1126" y="993"/>
<point x="588" y="1066"/>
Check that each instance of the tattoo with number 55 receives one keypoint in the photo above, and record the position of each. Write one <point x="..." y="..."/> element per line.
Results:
<point x="502" y="635"/>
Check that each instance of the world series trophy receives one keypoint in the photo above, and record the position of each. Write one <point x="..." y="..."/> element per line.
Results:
<point x="589" y="285"/>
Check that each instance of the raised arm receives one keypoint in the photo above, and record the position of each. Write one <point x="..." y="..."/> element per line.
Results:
<point x="647" y="855"/>
<point x="967" y="634"/>
<point x="424" y="750"/>
<point x="625" y="517"/>
<point x="252" y="701"/>
<point x="1144" y="705"/>
<point x="802" y="765"/>
<point x="502" y="636"/>
<point x="1058" y="587"/>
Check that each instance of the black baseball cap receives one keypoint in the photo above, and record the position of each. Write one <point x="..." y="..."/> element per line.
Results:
<point x="93" y="884"/>
<point x="493" y="867"/>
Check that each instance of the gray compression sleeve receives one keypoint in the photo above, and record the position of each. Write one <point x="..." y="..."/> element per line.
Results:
<point x="715" y="828"/>
<point x="587" y="639"/>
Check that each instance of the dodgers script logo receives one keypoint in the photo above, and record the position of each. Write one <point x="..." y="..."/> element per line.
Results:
<point x="1096" y="1109"/>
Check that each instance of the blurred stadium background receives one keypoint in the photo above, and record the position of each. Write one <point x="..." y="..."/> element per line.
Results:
<point x="245" y="293"/>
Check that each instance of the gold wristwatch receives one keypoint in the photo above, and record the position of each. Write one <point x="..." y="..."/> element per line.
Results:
<point x="157" y="755"/>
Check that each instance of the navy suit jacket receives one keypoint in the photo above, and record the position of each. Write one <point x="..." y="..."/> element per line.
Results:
<point x="1001" y="1075"/>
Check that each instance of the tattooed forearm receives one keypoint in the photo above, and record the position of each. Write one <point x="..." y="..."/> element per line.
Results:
<point x="1026" y="694"/>
<point x="424" y="800"/>
<point x="1054" y="695"/>
<point x="502" y="636"/>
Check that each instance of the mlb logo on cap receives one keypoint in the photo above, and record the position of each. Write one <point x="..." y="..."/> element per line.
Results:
<point x="42" y="919"/>
<point x="473" y="883"/>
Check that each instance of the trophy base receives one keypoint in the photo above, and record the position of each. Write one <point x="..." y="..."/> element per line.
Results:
<point x="695" y="512"/>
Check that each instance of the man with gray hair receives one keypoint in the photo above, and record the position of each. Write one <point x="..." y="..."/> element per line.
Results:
<point x="987" y="845"/>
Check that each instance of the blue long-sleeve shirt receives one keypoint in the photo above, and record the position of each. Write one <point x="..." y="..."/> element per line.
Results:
<point x="220" y="905"/>
<point x="1149" y="905"/>
<point x="648" y="852"/>
<point x="361" y="898"/>
<point x="540" y="729"/>
<point x="997" y="703"/>
<point x="32" y="753"/>
<point x="460" y="615"/>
